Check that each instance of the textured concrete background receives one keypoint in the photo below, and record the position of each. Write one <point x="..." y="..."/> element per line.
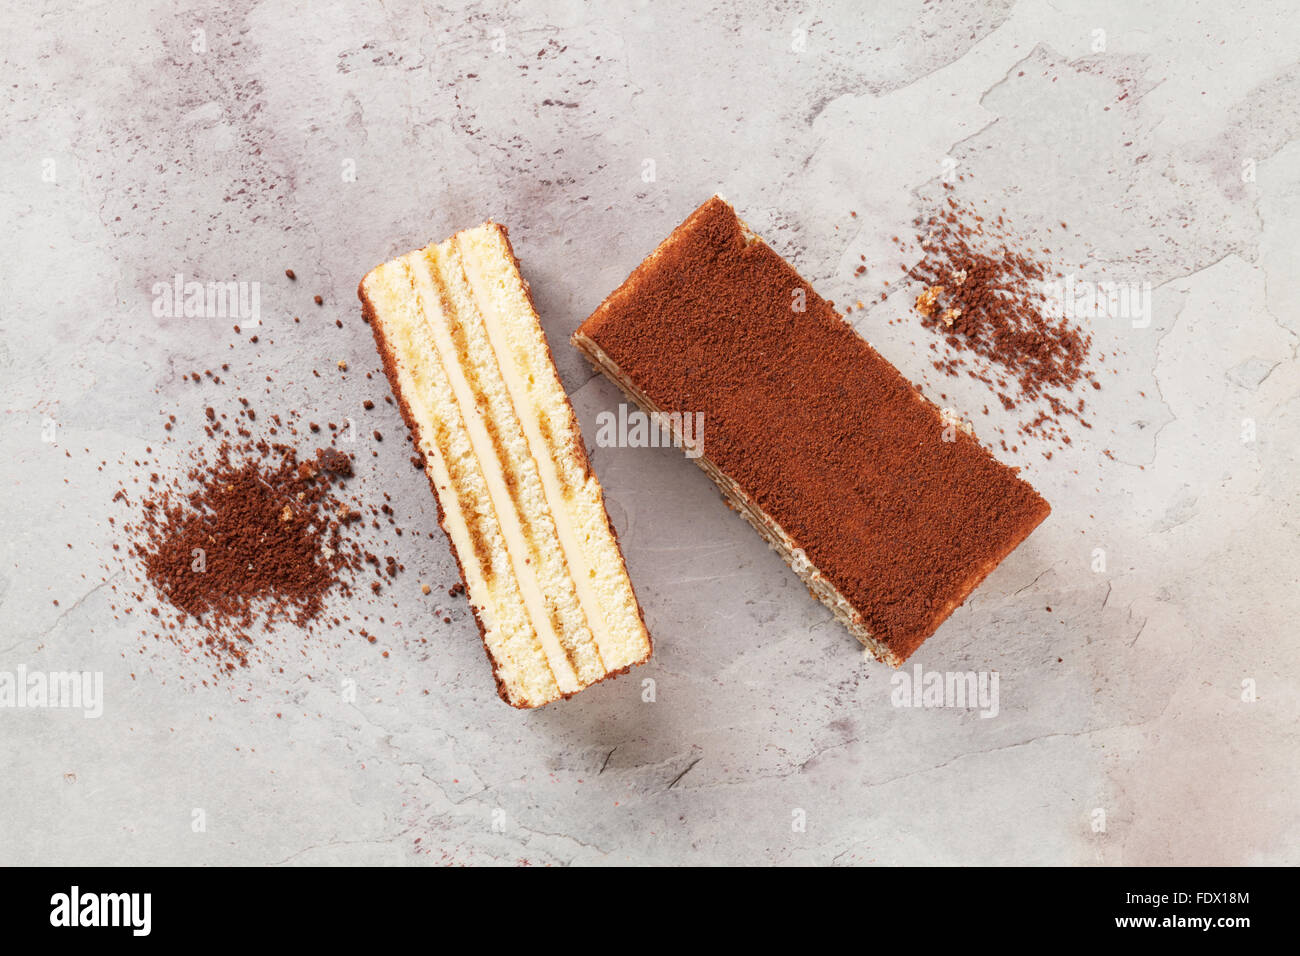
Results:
<point x="137" y="148"/>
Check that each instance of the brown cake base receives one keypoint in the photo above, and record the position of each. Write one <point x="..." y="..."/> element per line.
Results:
<point x="889" y="513"/>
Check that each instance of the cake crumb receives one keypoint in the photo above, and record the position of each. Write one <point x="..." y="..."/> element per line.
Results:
<point x="928" y="301"/>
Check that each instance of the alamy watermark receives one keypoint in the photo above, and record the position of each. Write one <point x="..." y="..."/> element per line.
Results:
<point x="967" y="690"/>
<point x="72" y="690"/>
<point x="75" y="908"/>
<point x="1071" y="298"/>
<point x="633" y="428"/>
<point x="177" y="299"/>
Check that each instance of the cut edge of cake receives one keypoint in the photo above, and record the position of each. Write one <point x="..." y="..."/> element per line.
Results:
<point x="573" y="521"/>
<point x="768" y="528"/>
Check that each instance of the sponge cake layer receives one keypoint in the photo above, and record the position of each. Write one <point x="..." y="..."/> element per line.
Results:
<point x="466" y="356"/>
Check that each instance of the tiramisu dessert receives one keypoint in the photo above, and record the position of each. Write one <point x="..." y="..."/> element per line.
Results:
<point x="468" y="362"/>
<point x="888" y="510"/>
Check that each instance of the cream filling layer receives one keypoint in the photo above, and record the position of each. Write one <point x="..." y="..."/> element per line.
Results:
<point x="517" y="655"/>
<point x="493" y="473"/>
<point x="483" y="371"/>
<point x="570" y="543"/>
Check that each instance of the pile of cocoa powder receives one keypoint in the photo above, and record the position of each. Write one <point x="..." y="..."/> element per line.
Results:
<point x="249" y="536"/>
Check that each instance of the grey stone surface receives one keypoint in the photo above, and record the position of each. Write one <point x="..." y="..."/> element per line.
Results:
<point x="1169" y="143"/>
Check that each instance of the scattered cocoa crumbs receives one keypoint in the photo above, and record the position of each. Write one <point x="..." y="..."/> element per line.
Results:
<point x="334" y="461"/>
<point x="318" y="300"/>
<point x="983" y="289"/>
<point x="289" y="273"/>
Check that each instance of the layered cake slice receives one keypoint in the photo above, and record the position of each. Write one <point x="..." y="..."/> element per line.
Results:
<point x="468" y="362"/>
<point x="889" y="512"/>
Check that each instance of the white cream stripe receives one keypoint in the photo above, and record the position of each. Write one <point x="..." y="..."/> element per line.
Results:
<point x="493" y="472"/>
<point x="570" y="545"/>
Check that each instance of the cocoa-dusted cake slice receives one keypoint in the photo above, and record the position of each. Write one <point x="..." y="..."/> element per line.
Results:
<point x="887" y="511"/>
